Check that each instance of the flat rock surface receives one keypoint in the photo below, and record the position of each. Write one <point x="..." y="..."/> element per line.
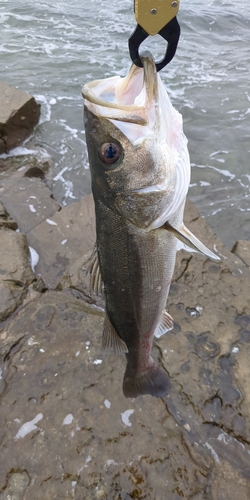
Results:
<point x="24" y="195"/>
<point x="242" y="250"/>
<point x="67" y="431"/>
<point x="29" y="202"/>
<point x="19" y="113"/>
<point x="15" y="271"/>
<point x="5" y="220"/>
<point x="70" y="234"/>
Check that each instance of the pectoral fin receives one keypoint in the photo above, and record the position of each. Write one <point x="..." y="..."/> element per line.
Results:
<point x="183" y="234"/>
<point x="96" y="284"/>
<point x="166" y="323"/>
<point x="111" y="342"/>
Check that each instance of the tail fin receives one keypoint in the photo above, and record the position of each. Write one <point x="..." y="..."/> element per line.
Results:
<point x="154" y="382"/>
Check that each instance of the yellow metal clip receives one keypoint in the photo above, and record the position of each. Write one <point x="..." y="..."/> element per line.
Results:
<point x="153" y="15"/>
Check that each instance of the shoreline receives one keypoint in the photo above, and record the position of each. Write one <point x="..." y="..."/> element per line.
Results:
<point x="61" y="397"/>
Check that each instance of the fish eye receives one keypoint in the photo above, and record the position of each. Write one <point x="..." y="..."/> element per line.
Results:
<point x="109" y="153"/>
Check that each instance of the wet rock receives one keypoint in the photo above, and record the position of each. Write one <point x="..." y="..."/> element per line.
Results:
<point x="19" y="113"/>
<point x="62" y="400"/>
<point x="17" y="483"/>
<point x="243" y="320"/>
<point x="72" y="408"/>
<point x="6" y="221"/>
<point x="71" y="233"/>
<point x="15" y="271"/>
<point x="12" y="168"/>
<point x="205" y="348"/>
<point x="227" y="483"/>
<point x="242" y="250"/>
<point x="29" y="201"/>
<point x="212" y="410"/>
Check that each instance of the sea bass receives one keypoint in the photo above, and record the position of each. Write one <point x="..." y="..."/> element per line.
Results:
<point x="140" y="173"/>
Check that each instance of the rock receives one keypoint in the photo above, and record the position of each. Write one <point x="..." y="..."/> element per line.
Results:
<point x="242" y="250"/>
<point x="72" y="408"/>
<point x="12" y="169"/>
<point x="61" y="398"/>
<point x="19" y="113"/>
<point x="17" y="482"/>
<point x="29" y="202"/>
<point x="5" y="220"/>
<point x="71" y="233"/>
<point x="15" y="271"/>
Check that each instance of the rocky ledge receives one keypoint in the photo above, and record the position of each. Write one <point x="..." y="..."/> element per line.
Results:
<point x="66" y="430"/>
<point x="19" y="113"/>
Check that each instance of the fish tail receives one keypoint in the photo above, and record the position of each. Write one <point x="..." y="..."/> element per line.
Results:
<point x="154" y="382"/>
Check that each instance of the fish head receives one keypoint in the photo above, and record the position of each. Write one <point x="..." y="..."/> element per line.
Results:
<point x="137" y="150"/>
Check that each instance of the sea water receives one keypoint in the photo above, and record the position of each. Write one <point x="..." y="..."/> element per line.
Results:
<point x="51" y="49"/>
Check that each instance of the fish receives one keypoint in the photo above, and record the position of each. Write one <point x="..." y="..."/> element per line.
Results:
<point x="140" y="174"/>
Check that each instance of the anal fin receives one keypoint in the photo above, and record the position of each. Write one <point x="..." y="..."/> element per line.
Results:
<point x="183" y="234"/>
<point x="111" y="342"/>
<point x="165" y="324"/>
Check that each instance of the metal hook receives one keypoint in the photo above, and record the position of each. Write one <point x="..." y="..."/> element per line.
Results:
<point x="170" y="33"/>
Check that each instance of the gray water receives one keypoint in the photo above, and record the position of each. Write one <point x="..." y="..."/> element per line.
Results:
<point x="52" y="48"/>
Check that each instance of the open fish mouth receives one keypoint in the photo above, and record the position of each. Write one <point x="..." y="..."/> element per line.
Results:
<point x="138" y="105"/>
<point x="127" y="99"/>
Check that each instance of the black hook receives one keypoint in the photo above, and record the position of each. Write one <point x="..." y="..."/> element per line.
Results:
<point x="170" y="33"/>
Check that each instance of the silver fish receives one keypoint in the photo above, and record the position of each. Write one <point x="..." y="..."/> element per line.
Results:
<point x="140" y="172"/>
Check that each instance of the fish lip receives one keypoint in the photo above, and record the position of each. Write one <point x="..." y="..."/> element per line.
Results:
<point x="133" y="112"/>
<point x="150" y="77"/>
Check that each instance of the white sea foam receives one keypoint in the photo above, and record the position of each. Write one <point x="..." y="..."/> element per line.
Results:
<point x="45" y="108"/>
<point x="49" y="48"/>
<point x="72" y="131"/>
<point x="19" y="151"/>
<point x="68" y="185"/>
<point x="60" y="174"/>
